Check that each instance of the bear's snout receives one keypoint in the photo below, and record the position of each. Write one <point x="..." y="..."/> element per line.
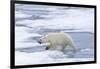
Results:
<point x="39" y="41"/>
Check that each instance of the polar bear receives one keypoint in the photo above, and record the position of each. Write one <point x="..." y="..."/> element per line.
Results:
<point x="57" y="41"/>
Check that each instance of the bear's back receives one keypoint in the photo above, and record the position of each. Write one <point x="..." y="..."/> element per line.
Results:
<point x="59" y="37"/>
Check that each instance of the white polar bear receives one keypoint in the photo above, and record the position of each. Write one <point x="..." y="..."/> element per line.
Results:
<point x="57" y="41"/>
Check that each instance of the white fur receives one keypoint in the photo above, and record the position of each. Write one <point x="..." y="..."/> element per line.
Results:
<point x="58" y="41"/>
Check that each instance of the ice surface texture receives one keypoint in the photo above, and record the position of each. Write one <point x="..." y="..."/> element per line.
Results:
<point x="34" y="21"/>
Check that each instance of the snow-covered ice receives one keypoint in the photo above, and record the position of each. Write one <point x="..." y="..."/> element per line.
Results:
<point x="45" y="57"/>
<point x="34" y="21"/>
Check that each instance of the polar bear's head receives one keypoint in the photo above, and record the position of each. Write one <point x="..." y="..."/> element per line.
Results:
<point x="44" y="40"/>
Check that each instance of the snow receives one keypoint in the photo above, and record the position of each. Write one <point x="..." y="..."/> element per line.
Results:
<point x="33" y="21"/>
<point x="45" y="57"/>
<point x="21" y="15"/>
<point x="21" y="30"/>
<point x="83" y="22"/>
<point x="27" y="45"/>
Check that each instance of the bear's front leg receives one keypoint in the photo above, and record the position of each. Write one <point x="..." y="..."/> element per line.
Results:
<point x="59" y="48"/>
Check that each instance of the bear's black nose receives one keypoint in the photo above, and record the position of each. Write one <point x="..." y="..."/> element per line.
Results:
<point x="39" y="42"/>
<point x="47" y="48"/>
